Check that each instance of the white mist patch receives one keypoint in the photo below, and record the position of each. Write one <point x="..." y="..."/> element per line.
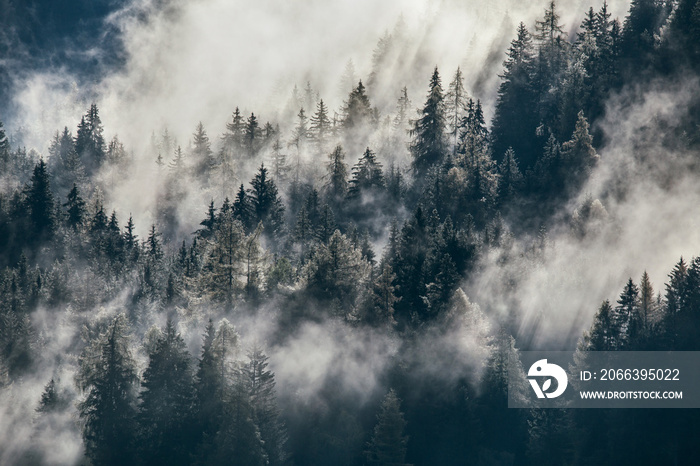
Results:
<point x="352" y="358"/>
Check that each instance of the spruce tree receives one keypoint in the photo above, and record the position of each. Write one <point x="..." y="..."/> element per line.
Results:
<point x="515" y="118"/>
<point x="202" y="155"/>
<point x="266" y="205"/>
<point x="266" y="415"/>
<point x="252" y="136"/>
<point x="165" y="413"/>
<point x="321" y="126"/>
<point x="357" y="112"/>
<point x="429" y="143"/>
<point x="40" y="204"/>
<point x="337" y="184"/>
<point x="107" y="374"/>
<point x="366" y="175"/>
<point x="388" y="443"/>
<point x="89" y="141"/>
<point x="455" y="107"/>
<point x="75" y="208"/>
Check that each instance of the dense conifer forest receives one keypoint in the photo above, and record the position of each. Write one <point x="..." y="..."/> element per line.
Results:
<point x="312" y="284"/>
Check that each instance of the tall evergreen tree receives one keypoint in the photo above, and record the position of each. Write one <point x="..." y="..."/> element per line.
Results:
<point x="166" y="410"/>
<point x="235" y="132"/>
<point x="107" y="373"/>
<point x="455" y="107"/>
<point x="266" y="205"/>
<point x="366" y="175"/>
<point x="40" y="204"/>
<point x="515" y="119"/>
<point x="75" y="208"/>
<point x="429" y="143"/>
<point x="252" y="136"/>
<point x="321" y="126"/>
<point x="357" y="112"/>
<point x="89" y="141"/>
<point x="266" y="415"/>
<point x="388" y="444"/>
<point x="202" y="155"/>
<point x="337" y="184"/>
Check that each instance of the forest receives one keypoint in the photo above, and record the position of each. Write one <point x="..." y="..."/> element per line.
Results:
<point x="321" y="285"/>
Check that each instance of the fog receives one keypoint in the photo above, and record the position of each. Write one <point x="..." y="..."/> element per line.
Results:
<point x="191" y="61"/>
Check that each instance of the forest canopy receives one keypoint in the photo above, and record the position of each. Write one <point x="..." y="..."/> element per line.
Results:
<point x="331" y="280"/>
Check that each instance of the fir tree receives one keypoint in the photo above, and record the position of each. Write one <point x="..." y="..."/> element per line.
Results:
<point x="89" y="141"/>
<point x="357" y="110"/>
<point x="455" y="107"/>
<point x="266" y="205"/>
<point x="403" y="106"/>
<point x="75" y="208"/>
<point x="40" y="204"/>
<point x="337" y="184"/>
<point x="252" y="136"/>
<point x="202" y="155"/>
<point x="428" y="146"/>
<point x="107" y="373"/>
<point x="165" y="413"/>
<point x="235" y="131"/>
<point x="366" y="175"/>
<point x="266" y="415"/>
<point x="320" y="128"/>
<point x="388" y="444"/>
<point x="515" y="119"/>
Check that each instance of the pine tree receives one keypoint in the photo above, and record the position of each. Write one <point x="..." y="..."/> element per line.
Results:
<point x="165" y="413"/>
<point x="153" y="248"/>
<point x="301" y="131"/>
<point x="335" y="272"/>
<point x="107" y="373"/>
<point x="388" y="444"/>
<point x="75" y="208"/>
<point x="4" y="150"/>
<point x="40" y="204"/>
<point x="252" y="136"/>
<point x="604" y="332"/>
<point x="337" y="184"/>
<point x="383" y="297"/>
<point x="515" y="119"/>
<point x="580" y="156"/>
<point x="202" y="155"/>
<point x="50" y="400"/>
<point x="366" y="175"/>
<point x="266" y="205"/>
<point x="266" y="415"/>
<point x="429" y="144"/>
<point x="326" y="224"/>
<point x="209" y="223"/>
<point x="647" y="304"/>
<point x="627" y="316"/>
<point x="89" y="141"/>
<point x="116" y="154"/>
<point x="511" y="180"/>
<point x="223" y="264"/>
<point x="357" y="110"/>
<point x="235" y="132"/>
<point x="280" y="168"/>
<point x="209" y="385"/>
<point x="403" y="106"/>
<point x="321" y="126"/>
<point x="455" y="107"/>
<point x="238" y="436"/>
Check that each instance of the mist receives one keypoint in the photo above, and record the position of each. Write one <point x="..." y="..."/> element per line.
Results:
<point x="188" y="62"/>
